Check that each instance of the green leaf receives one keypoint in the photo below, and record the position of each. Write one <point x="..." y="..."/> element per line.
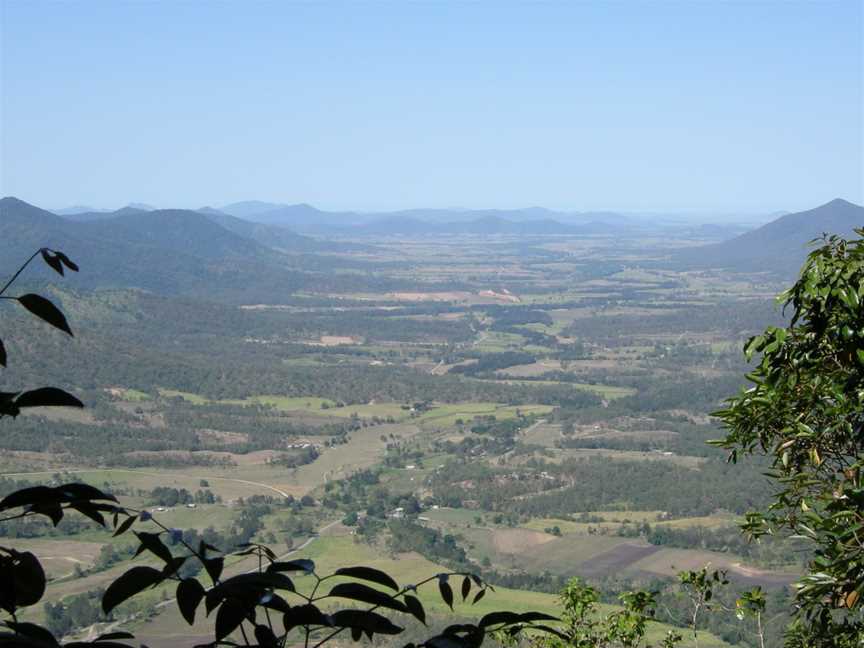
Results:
<point x="79" y="491"/>
<point x="66" y="261"/>
<point x="445" y="590"/>
<point x="496" y="618"/>
<point x="214" y="567"/>
<point x="415" y="607"/>
<point x="152" y="543"/>
<point x="111" y="636"/>
<point x="124" y="525"/>
<point x="27" y="576"/>
<point x="229" y="617"/>
<point x="265" y="637"/>
<point x="40" y="635"/>
<point x="466" y="587"/>
<point x="45" y="310"/>
<point x="47" y="397"/>
<point x="366" y="594"/>
<point x="368" y="622"/>
<point x="531" y="617"/>
<point x="7" y="406"/>
<point x="90" y="510"/>
<point x="305" y="615"/>
<point x="369" y="574"/>
<point x="27" y="497"/>
<point x="129" y="584"/>
<point x="302" y="564"/>
<point x="52" y="260"/>
<point x="189" y="595"/>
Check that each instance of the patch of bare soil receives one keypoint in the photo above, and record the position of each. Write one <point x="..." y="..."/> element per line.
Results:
<point x="514" y="541"/>
<point x="616" y="559"/>
<point x="221" y="437"/>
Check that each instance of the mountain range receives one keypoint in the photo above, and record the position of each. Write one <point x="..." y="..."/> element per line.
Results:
<point x="779" y="246"/>
<point x="208" y="252"/>
<point x="304" y="217"/>
<point x="169" y="251"/>
<point x="269" y="235"/>
<point x="531" y="221"/>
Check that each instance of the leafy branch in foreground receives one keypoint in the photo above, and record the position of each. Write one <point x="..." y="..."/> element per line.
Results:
<point x="265" y="606"/>
<point x="251" y="607"/>
<point x="11" y="403"/>
<point x="805" y="411"/>
<point x="583" y="626"/>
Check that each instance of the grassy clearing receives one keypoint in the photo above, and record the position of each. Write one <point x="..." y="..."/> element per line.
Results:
<point x="708" y="521"/>
<point x="364" y="450"/>
<point x="497" y="342"/>
<point x="189" y="397"/>
<point x="608" y="392"/>
<point x="289" y="403"/>
<point x="504" y="547"/>
<point x="564" y="555"/>
<point x="542" y="434"/>
<point x="669" y="561"/>
<point x="380" y="410"/>
<point x="60" y="557"/>
<point x="439" y="415"/>
<point x="202" y="516"/>
<point x="446" y="415"/>
<point x="130" y="395"/>
<point x="559" y="455"/>
<point x="229" y="483"/>
<point x="453" y="516"/>
<point x="612" y="521"/>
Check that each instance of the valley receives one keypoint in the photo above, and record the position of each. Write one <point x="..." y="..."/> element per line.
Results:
<point x="533" y="406"/>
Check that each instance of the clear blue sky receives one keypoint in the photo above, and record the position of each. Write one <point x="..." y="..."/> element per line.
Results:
<point x="637" y="105"/>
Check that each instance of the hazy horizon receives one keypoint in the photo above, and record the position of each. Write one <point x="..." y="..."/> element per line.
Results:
<point x="699" y="215"/>
<point x="725" y="108"/>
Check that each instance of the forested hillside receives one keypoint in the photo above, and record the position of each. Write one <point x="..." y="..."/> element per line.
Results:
<point x="528" y="407"/>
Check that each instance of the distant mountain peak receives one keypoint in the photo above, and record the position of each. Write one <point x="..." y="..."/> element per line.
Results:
<point x="208" y="210"/>
<point x="780" y="245"/>
<point x="16" y="209"/>
<point x="74" y="210"/>
<point x="839" y="202"/>
<point x="129" y="209"/>
<point x="10" y="201"/>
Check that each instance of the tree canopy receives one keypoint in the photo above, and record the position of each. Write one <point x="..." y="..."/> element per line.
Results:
<point x="805" y="411"/>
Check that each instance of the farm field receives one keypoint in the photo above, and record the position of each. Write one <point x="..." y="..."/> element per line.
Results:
<point x="436" y="415"/>
<point x="488" y="415"/>
<point x="668" y="562"/>
<point x="61" y="557"/>
<point x="333" y="552"/>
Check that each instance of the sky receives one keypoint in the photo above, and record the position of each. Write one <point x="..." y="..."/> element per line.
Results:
<point x="702" y="105"/>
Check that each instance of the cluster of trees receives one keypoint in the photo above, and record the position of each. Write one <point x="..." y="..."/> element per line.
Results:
<point x="406" y="535"/>
<point x="546" y="489"/>
<point x="168" y="496"/>
<point x="769" y="552"/>
<point x="76" y="611"/>
<point x="517" y="315"/>
<point x="734" y="318"/>
<point x="297" y="458"/>
<point x="39" y="528"/>
<point x="490" y="362"/>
